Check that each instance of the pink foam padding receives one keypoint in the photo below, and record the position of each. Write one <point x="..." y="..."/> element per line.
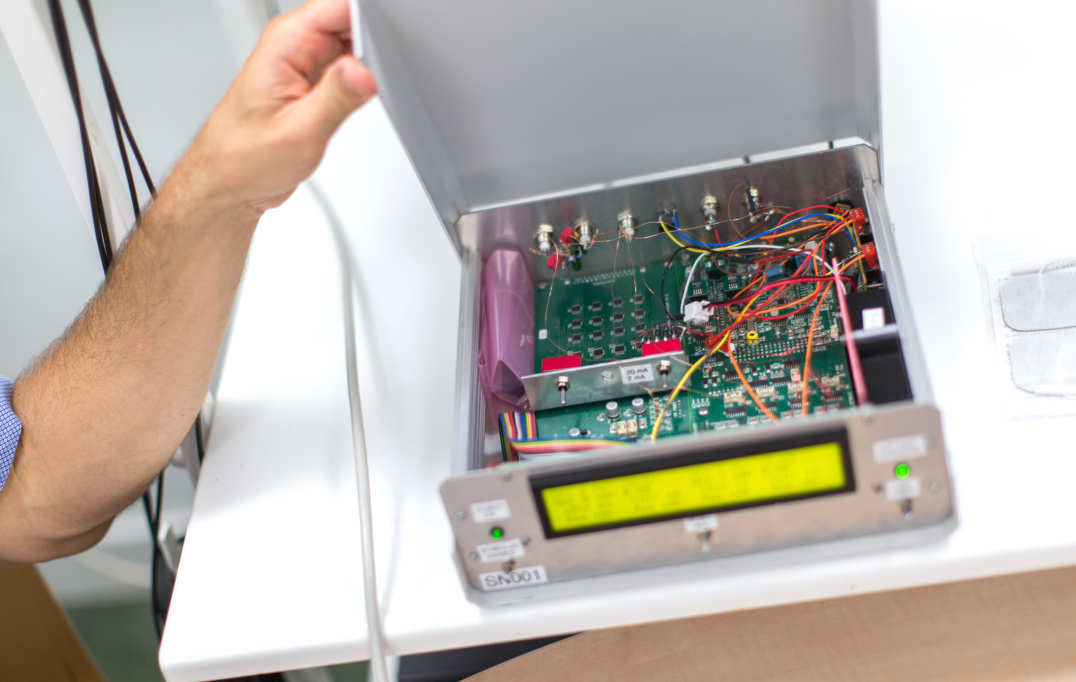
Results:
<point x="506" y="336"/>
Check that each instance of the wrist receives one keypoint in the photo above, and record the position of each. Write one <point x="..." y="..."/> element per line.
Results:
<point x="197" y="188"/>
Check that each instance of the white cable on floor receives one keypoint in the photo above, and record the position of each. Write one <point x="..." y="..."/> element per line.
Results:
<point x="378" y="661"/>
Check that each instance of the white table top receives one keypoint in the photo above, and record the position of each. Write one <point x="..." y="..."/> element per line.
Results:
<point x="975" y="119"/>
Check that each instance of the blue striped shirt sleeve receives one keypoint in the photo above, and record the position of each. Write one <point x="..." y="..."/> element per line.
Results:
<point x="10" y="430"/>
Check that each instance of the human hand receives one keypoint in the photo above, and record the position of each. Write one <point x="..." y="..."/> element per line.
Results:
<point x="270" y="130"/>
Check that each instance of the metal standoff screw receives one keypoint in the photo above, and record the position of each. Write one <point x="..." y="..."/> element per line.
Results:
<point x="562" y="385"/>
<point x="460" y="514"/>
<point x="664" y="367"/>
<point x="473" y="556"/>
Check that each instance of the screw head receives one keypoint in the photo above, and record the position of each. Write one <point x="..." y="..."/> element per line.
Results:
<point x="460" y="514"/>
<point x="473" y="556"/>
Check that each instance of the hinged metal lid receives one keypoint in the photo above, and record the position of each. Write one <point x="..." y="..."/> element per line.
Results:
<point x="498" y="101"/>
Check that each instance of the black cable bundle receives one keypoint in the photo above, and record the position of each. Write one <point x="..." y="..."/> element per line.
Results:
<point x="124" y="137"/>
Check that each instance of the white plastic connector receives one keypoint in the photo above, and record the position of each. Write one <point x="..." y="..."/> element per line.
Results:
<point x="697" y="312"/>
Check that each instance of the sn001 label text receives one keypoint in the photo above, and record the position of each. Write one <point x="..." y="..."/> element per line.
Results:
<point x="505" y="580"/>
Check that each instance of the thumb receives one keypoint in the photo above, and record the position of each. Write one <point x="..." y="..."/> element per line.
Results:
<point x="344" y="87"/>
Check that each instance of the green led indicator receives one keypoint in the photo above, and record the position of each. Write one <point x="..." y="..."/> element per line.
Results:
<point x="496" y="532"/>
<point x="901" y="470"/>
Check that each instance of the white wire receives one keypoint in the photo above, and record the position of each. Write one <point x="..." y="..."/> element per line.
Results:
<point x="378" y="660"/>
<point x="687" y="284"/>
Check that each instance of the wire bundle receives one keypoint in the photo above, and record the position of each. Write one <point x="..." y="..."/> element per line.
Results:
<point x="124" y="139"/>
<point x="519" y="436"/>
<point x="822" y="222"/>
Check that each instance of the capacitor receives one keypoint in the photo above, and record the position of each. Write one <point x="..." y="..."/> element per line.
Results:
<point x="638" y="405"/>
<point x="612" y="410"/>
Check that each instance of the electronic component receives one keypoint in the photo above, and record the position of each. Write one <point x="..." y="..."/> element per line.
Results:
<point x="587" y="232"/>
<point x="697" y="312"/>
<point x="638" y="406"/>
<point x="626" y="222"/>
<point x="709" y="207"/>
<point x="544" y="238"/>
<point x="752" y="201"/>
<point x="765" y="275"/>
<point x="612" y="410"/>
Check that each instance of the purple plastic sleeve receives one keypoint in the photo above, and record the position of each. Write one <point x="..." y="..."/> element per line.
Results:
<point x="506" y="343"/>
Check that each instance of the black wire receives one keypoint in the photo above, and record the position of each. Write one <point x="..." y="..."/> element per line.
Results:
<point x="121" y="127"/>
<point x="664" y="275"/>
<point x="100" y="223"/>
<point x="115" y="105"/>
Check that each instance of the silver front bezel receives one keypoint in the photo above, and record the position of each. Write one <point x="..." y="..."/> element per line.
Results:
<point x="870" y="507"/>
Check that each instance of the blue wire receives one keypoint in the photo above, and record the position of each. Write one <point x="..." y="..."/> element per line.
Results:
<point x="676" y="226"/>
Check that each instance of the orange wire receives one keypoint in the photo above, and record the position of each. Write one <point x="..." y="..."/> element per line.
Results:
<point x="747" y="385"/>
<point x="807" y="357"/>
<point x="810" y="337"/>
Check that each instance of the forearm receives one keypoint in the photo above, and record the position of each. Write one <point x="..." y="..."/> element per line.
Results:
<point x="103" y="412"/>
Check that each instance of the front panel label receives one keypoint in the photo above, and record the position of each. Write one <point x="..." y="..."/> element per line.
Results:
<point x="905" y="447"/>
<point x="500" y="551"/>
<point x="506" y="580"/>
<point x="490" y="510"/>
<point x="637" y="374"/>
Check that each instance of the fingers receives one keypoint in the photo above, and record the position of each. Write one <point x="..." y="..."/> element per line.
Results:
<point x="327" y="16"/>
<point x="344" y="87"/>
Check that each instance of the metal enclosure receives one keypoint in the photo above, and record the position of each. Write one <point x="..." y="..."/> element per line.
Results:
<point x="517" y="114"/>
<point x="497" y="102"/>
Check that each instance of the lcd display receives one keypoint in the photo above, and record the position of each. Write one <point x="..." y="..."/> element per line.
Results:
<point x="598" y="502"/>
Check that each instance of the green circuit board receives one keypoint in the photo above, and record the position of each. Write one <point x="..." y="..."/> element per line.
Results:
<point x="608" y="316"/>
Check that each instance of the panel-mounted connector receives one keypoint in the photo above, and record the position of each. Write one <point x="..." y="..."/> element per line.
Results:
<point x="709" y="208"/>
<point x="587" y="232"/>
<point x="543" y="238"/>
<point x="626" y="222"/>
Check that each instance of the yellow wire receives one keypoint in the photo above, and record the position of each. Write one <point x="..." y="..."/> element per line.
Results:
<point x="747" y="384"/>
<point x="695" y="366"/>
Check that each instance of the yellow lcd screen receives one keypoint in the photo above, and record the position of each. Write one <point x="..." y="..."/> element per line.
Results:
<point x="611" y="501"/>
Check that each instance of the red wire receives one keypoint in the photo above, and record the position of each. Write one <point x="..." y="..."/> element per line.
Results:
<point x="781" y="283"/>
<point x="801" y="210"/>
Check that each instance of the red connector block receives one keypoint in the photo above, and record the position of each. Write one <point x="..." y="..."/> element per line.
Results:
<point x="859" y="218"/>
<point x="870" y="255"/>
<point x="559" y="362"/>
<point x="666" y="346"/>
